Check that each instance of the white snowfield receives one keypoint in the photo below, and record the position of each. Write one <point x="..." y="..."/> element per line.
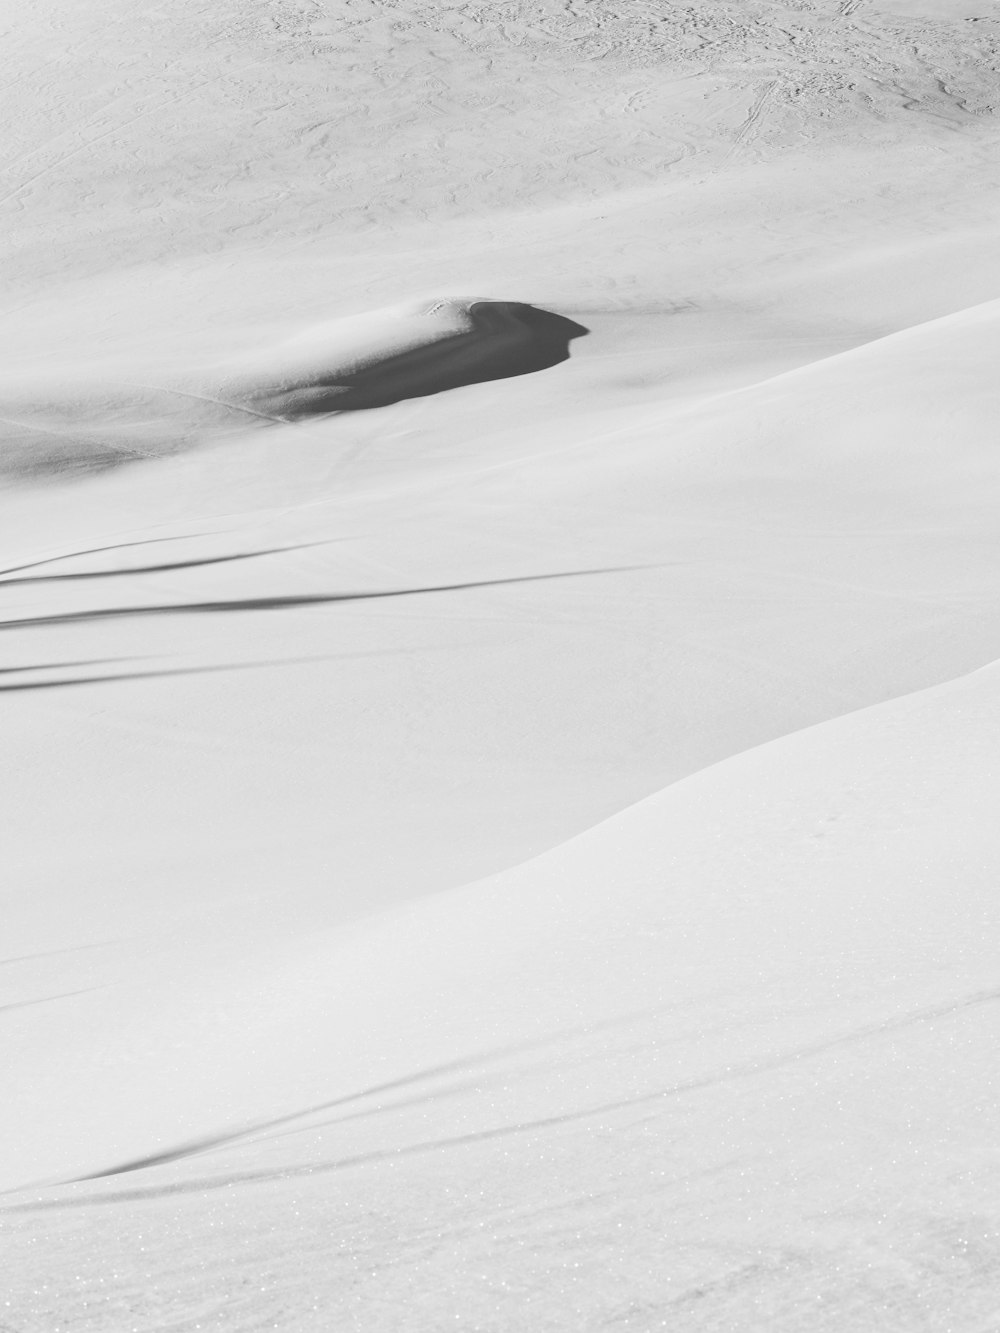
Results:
<point x="499" y="596"/>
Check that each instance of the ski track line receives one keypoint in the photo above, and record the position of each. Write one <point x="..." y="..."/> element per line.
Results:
<point x="123" y="125"/>
<point x="747" y="130"/>
<point x="183" y="96"/>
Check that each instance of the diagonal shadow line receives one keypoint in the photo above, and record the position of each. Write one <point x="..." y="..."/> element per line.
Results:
<point x="237" y="1133"/>
<point x="99" y="550"/>
<point x="51" y="953"/>
<point x="56" y="666"/>
<point x="195" y="1147"/>
<point x="26" y="685"/>
<point x="45" y="999"/>
<point x="729" y="1074"/>
<point x="160" y="568"/>
<point x="304" y="599"/>
<point x="478" y="1080"/>
<point x="249" y="1130"/>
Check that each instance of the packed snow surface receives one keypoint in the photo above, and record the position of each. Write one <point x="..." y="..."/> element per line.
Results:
<point x="500" y="589"/>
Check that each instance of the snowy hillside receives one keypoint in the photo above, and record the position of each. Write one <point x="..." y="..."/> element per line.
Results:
<point x="499" y="588"/>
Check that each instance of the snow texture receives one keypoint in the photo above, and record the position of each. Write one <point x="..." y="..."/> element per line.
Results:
<point x="500" y="596"/>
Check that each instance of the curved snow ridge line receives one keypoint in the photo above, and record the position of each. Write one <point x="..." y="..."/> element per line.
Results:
<point x="719" y="765"/>
<point x="986" y="315"/>
<point x="654" y="889"/>
<point x="734" y="768"/>
<point x="628" y="831"/>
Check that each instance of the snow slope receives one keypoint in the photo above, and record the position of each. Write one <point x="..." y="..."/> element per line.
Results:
<point x="723" y="1061"/>
<point x="427" y="431"/>
<point x="612" y="612"/>
<point x="780" y="908"/>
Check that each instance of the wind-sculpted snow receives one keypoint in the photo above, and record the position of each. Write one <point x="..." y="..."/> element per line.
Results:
<point x="381" y="359"/>
<point x="702" y="1054"/>
<point x="115" y="417"/>
<point x="635" y="1040"/>
<point x="499" y="825"/>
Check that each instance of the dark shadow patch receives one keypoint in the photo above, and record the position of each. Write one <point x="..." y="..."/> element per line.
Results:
<point x="126" y="422"/>
<point x="507" y="339"/>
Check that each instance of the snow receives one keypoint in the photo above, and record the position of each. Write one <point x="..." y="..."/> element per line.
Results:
<point x="499" y="574"/>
